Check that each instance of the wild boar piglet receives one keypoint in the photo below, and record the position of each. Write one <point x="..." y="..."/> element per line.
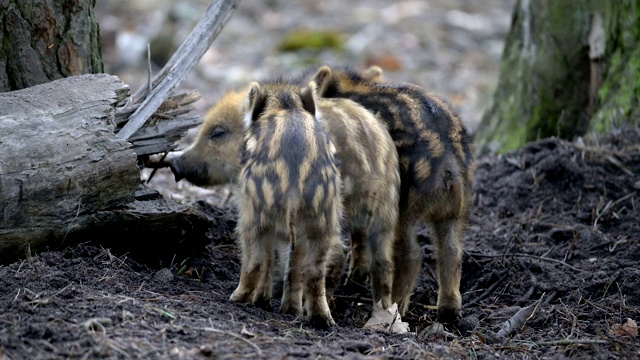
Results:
<point x="289" y="195"/>
<point x="436" y="170"/>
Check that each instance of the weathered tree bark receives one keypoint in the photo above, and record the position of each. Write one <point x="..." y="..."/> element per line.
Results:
<point x="568" y="67"/>
<point x="60" y="160"/>
<point x="44" y="40"/>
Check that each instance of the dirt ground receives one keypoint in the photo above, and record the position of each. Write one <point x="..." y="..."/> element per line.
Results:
<point x="554" y="224"/>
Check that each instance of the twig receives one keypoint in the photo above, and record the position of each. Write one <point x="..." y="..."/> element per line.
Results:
<point x="97" y="324"/>
<point x="155" y="169"/>
<point x="608" y="154"/>
<point x="572" y="342"/>
<point x="619" y="164"/>
<point x="19" y="267"/>
<point x="46" y="299"/>
<point x="531" y="290"/>
<point x="181" y="63"/>
<point x="354" y="298"/>
<point x="30" y="260"/>
<point x="517" y="321"/>
<point x="487" y="292"/>
<point x="148" y="69"/>
<point x="530" y="256"/>
<point x="395" y="316"/>
<point x="113" y="346"/>
<point x="610" y="205"/>
<point x="212" y="329"/>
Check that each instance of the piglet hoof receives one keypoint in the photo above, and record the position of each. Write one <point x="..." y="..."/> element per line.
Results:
<point x="386" y="302"/>
<point x="322" y="321"/>
<point x="449" y="315"/>
<point x="287" y="307"/>
<point x="240" y="296"/>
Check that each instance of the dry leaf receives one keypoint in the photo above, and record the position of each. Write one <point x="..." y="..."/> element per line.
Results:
<point x="629" y="328"/>
<point x="246" y="332"/>
<point x="480" y="337"/>
<point x="387" y="320"/>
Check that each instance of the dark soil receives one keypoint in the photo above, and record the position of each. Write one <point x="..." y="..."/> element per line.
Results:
<point x="555" y="223"/>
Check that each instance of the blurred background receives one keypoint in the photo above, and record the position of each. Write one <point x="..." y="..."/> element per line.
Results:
<point x="450" y="47"/>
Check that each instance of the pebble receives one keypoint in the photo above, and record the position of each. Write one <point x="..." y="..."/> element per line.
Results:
<point x="163" y="276"/>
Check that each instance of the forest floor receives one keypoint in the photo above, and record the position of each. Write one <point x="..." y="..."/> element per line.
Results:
<point x="554" y="226"/>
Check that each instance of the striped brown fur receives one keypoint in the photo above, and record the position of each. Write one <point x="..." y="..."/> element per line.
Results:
<point x="289" y="192"/>
<point x="368" y="168"/>
<point x="436" y="167"/>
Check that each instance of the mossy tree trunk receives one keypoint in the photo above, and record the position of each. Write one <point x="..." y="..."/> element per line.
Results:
<point x="45" y="40"/>
<point x="568" y="68"/>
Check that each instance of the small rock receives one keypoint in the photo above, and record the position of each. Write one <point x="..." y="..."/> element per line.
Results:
<point x="636" y="185"/>
<point x="436" y="329"/>
<point x="468" y="324"/>
<point x="163" y="276"/>
<point x="441" y="351"/>
<point x="585" y="235"/>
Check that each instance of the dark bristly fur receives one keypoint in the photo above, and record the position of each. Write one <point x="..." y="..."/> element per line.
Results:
<point x="436" y="167"/>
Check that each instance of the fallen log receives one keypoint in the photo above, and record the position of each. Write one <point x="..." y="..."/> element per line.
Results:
<point x="60" y="161"/>
<point x="66" y="177"/>
<point x="71" y="150"/>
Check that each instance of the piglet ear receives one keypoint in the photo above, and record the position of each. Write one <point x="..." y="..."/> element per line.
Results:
<point x="322" y="78"/>
<point x="373" y="73"/>
<point x="309" y="98"/>
<point x="257" y="102"/>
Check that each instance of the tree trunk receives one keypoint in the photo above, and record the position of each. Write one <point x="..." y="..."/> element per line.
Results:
<point x="45" y="40"/>
<point x="568" y="67"/>
<point x="619" y="94"/>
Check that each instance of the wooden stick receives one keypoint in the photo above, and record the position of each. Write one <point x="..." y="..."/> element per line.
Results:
<point x="573" y="341"/>
<point x="488" y="292"/>
<point x="217" y="331"/>
<point x="181" y="63"/>
<point x="529" y="256"/>
<point x="610" y="205"/>
<point x="517" y="321"/>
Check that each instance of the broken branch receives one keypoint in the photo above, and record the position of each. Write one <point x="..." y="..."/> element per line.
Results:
<point x="517" y="321"/>
<point x="529" y="256"/>
<point x="181" y="63"/>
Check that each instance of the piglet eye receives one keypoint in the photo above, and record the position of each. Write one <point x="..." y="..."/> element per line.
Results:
<point x="218" y="132"/>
